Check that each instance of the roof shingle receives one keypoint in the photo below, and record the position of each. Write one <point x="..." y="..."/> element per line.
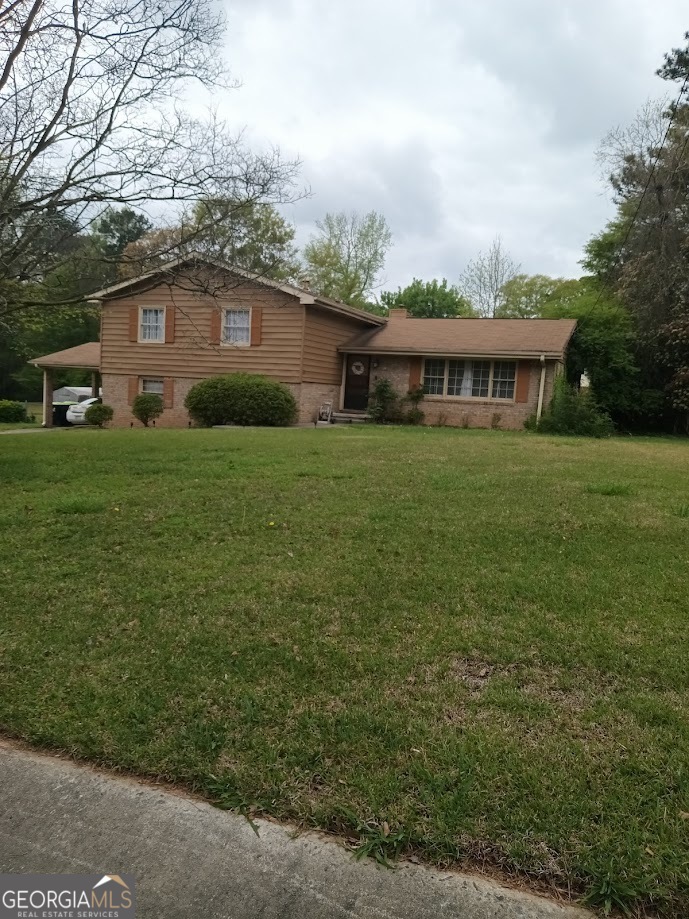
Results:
<point x="84" y="357"/>
<point x="467" y="337"/>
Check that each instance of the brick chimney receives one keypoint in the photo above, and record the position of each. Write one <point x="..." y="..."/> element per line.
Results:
<point x="397" y="314"/>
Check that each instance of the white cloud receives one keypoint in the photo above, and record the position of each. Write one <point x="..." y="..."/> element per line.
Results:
<point x="458" y="121"/>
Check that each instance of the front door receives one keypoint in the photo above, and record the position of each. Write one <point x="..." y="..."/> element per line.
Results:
<point x="356" y="382"/>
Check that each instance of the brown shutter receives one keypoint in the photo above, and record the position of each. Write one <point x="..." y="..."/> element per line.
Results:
<point x="414" y="373"/>
<point x="523" y="380"/>
<point x="134" y="323"/>
<point x="169" y="325"/>
<point x="256" y="322"/>
<point x="168" y="392"/>
<point x="133" y="388"/>
<point x="215" y="326"/>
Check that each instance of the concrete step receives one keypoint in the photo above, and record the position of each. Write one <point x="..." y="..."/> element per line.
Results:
<point x="349" y="417"/>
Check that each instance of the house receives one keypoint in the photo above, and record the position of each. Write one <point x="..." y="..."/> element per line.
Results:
<point x="191" y="319"/>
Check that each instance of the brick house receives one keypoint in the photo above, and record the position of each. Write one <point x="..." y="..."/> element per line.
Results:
<point x="191" y="319"/>
<point x="472" y="370"/>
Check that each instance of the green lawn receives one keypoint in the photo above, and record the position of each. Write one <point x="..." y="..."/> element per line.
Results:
<point x="479" y="638"/>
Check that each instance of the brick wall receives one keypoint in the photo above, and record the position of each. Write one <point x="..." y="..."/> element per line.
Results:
<point x="473" y="413"/>
<point x="309" y="397"/>
<point x="312" y="397"/>
<point x="116" y="394"/>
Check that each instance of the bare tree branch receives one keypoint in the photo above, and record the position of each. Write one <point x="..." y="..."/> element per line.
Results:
<point x="484" y="279"/>
<point x="90" y="119"/>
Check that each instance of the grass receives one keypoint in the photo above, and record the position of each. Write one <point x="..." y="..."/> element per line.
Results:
<point x="459" y="644"/>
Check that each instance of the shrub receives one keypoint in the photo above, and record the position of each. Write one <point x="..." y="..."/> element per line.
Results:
<point x="414" y="397"/>
<point x="572" y="411"/>
<point x="98" y="414"/>
<point x="241" y="398"/>
<point x="12" y="412"/>
<point x="147" y="406"/>
<point x="385" y="406"/>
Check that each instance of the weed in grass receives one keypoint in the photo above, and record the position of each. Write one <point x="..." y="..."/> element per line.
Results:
<point x="610" y="489"/>
<point x="226" y="797"/>
<point x="376" y="840"/>
<point x="608" y="893"/>
<point x="683" y="511"/>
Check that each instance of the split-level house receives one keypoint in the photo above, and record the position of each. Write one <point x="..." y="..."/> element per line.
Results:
<point x="188" y="320"/>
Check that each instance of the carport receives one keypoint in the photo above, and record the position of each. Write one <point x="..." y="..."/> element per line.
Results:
<point x="81" y="357"/>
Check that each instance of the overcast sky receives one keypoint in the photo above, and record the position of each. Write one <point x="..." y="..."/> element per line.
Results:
<point x="457" y="120"/>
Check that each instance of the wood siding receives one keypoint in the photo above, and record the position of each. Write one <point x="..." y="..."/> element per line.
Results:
<point x="323" y="333"/>
<point x="191" y="353"/>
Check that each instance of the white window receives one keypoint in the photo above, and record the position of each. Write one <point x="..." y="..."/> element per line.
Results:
<point x="236" y="327"/>
<point x="434" y="377"/>
<point x="465" y="379"/>
<point x="504" y="377"/>
<point x="151" y="324"/>
<point x="149" y="384"/>
<point x="480" y="379"/>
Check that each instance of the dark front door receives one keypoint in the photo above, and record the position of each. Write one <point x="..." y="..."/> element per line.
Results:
<point x="356" y="382"/>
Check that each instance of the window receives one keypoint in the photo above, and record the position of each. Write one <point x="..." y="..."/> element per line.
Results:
<point x="236" y="327"/>
<point x="152" y="324"/>
<point x="456" y="376"/>
<point x="154" y="386"/>
<point x="470" y="379"/>
<point x="504" y="376"/>
<point x="434" y="377"/>
<point x="480" y="380"/>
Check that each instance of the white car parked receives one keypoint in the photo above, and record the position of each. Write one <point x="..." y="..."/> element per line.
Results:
<point x="76" y="413"/>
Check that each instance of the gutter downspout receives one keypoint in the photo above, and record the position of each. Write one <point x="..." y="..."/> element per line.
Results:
<point x="541" y="389"/>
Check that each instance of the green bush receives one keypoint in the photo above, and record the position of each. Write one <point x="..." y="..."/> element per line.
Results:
<point x="572" y="411"/>
<point x="12" y="412"/>
<point x="241" y="398"/>
<point x="147" y="406"/>
<point x="98" y="414"/>
<point x="384" y="403"/>
<point x="385" y="406"/>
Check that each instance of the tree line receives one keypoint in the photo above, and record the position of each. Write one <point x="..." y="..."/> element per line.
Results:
<point x="105" y="174"/>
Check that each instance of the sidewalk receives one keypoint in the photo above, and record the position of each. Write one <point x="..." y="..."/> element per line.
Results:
<point x="192" y="860"/>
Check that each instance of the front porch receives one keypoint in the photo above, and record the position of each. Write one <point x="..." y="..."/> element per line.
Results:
<point x="81" y="357"/>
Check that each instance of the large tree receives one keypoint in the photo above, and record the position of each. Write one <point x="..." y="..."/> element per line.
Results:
<point x="255" y="237"/>
<point x="523" y="295"/>
<point x="484" y="279"/>
<point x="643" y="254"/>
<point x="344" y="259"/>
<point x="428" y="300"/>
<point x="90" y="119"/>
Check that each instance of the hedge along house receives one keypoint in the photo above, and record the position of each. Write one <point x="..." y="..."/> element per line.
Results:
<point x="191" y="319"/>
<point x="474" y="372"/>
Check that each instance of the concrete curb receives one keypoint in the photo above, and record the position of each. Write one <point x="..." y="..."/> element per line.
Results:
<point x="192" y="860"/>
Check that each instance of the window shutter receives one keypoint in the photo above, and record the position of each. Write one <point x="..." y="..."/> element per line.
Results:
<point x="169" y="324"/>
<point x="133" y="388"/>
<point x="523" y="380"/>
<point x="256" y="322"/>
<point x="168" y="392"/>
<point x="414" y="373"/>
<point x="216" y="318"/>
<point x="134" y="323"/>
